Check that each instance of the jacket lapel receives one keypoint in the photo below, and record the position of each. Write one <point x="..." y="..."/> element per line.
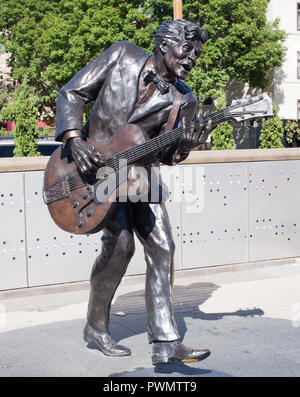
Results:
<point x="130" y="73"/>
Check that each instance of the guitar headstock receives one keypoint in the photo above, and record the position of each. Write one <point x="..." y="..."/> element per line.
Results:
<point x="259" y="106"/>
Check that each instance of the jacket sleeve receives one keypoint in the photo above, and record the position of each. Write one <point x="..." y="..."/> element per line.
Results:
<point x="187" y="109"/>
<point x="83" y="88"/>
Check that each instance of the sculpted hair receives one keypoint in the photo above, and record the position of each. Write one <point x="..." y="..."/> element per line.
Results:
<point x="176" y="30"/>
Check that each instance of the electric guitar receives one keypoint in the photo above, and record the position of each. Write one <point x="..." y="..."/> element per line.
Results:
<point x="82" y="204"/>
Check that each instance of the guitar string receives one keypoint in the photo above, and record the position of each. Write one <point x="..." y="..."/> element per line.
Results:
<point x="154" y="144"/>
<point x="151" y="146"/>
<point x="139" y="151"/>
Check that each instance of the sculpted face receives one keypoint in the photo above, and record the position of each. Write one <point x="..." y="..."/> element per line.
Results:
<point x="181" y="57"/>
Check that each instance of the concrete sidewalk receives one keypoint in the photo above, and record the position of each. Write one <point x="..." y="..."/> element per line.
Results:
<point x="248" y="315"/>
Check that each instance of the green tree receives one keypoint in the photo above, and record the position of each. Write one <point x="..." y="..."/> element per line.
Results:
<point x="222" y="138"/>
<point x="292" y="132"/>
<point x="23" y="110"/>
<point x="51" y="40"/>
<point x="271" y="133"/>
<point x="242" y="44"/>
<point x="3" y="99"/>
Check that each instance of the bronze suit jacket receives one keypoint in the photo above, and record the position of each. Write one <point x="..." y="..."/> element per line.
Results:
<point x="111" y="82"/>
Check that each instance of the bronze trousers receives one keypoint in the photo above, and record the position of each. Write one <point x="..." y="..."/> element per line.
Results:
<point x="151" y="225"/>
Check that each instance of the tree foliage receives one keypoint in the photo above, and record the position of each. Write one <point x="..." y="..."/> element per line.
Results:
<point x="271" y="133"/>
<point x="50" y="40"/>
<point x="23" y="110"/>
<point x="292" y="132"/>
<point x="222" y="138"/>
<point x="242" y="44"/>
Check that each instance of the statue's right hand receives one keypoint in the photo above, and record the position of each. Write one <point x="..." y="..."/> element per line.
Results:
<point x="86" y="157"/>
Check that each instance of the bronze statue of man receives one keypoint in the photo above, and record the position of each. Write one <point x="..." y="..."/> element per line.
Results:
<point x="128" y="85"/>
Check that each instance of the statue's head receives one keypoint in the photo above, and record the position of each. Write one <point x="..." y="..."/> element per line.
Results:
<point x="180" y="43"/>
<point x="176" y="30"/>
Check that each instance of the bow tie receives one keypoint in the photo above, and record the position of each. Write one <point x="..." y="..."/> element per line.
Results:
<point x="151" y="77"/>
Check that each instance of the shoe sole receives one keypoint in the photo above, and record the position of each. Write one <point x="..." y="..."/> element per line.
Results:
<point x="170" y="360"/>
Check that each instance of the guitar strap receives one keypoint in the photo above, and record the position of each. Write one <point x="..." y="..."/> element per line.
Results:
<point x="174" y="112"/>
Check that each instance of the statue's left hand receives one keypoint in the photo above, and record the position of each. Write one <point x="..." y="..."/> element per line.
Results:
<point x="86" y="157"/>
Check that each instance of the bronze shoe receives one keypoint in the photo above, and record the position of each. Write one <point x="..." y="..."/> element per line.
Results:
<point x="104" y="342"/>
<point x="167" y="352"/>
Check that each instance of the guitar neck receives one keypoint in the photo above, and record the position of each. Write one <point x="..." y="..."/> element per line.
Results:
<point x="162" y="141"/>
<point x="217" y="117"/>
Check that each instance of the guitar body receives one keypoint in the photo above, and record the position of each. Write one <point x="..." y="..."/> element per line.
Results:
<point x="70" y="195"/>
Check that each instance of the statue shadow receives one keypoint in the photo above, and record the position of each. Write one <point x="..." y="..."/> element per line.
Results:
<point x="186" y="302"/>
<point x="175" y="369"/>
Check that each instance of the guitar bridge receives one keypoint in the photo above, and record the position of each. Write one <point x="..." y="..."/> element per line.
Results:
<point x="57" y="191"/>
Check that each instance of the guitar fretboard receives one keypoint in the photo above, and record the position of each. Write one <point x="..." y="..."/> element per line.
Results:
<point x="239" y="109"/>
<point x="161" y="141"/>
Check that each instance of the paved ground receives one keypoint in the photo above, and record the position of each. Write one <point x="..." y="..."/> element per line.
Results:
<point x="249" y="318"/>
